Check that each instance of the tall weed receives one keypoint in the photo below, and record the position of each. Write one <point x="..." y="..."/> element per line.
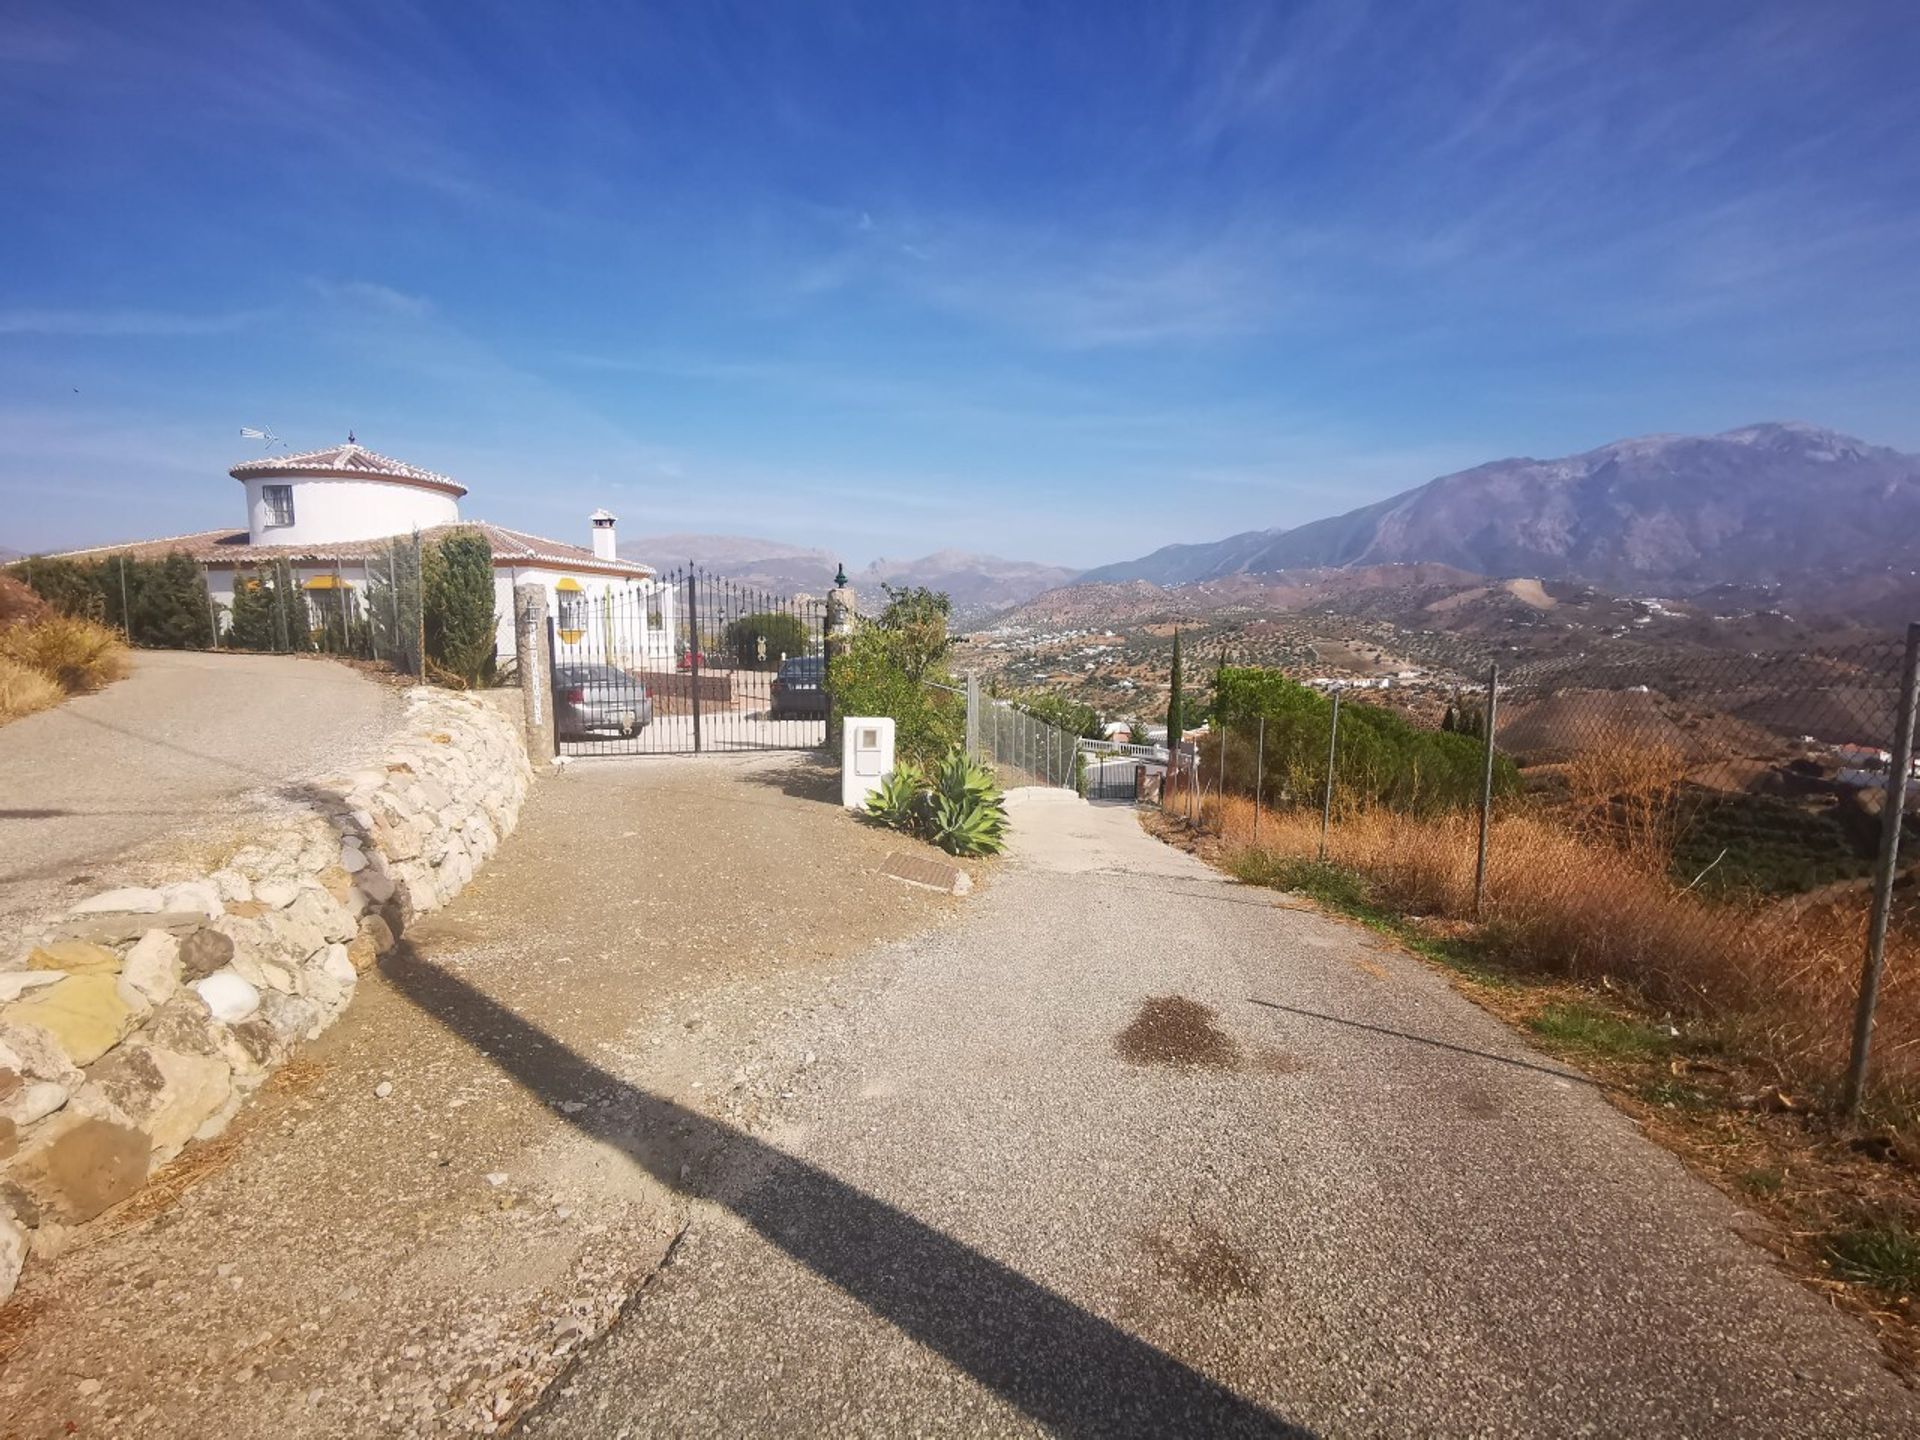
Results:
<point x="77" y="655"/>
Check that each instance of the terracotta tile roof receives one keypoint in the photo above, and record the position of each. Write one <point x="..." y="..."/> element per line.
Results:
<point x="349" y="461"/>
<point x="230" y="547"/>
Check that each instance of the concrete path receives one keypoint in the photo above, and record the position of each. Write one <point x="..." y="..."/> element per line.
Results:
<point x="176" y="755"/>
<point x="1135" y="1149"/>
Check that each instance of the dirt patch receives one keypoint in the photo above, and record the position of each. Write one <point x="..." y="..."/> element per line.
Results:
<point x="1173" y="1030"/>
<point x="1201" y="1261"/>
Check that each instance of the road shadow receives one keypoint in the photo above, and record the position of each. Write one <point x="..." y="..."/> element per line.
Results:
<point x="1067" y="1368"/>
<point x="806" y="777"/>
<point x="1428" y="1040"/>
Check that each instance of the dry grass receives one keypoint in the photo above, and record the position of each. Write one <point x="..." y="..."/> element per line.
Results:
<point x="77" y="655"/>
<point x="24" y="691"/>
<point x="1776" y="978"/>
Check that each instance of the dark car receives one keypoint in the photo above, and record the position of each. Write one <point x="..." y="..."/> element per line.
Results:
<point x="599" y="700"/>
<point x="800" y="688"/>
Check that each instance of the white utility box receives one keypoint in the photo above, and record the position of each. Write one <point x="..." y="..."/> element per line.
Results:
<point x="866" y="758"/>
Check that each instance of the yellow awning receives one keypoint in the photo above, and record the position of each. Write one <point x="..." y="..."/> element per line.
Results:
<point x="567" y="582"/>
<point x="327" y="582"/>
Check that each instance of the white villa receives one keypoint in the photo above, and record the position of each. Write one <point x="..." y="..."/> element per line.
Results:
<point x="331" y="513"/>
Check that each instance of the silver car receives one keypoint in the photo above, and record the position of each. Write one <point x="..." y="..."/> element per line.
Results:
<point x="600" y="700"/>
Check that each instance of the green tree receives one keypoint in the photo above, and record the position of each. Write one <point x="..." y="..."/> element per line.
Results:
<point x="170" y="604"/>
<point x="890" y="666"/>
<point x="1383" y="759"/>
<point x="917" y="618"/>
<point x="251" y="621"/>
<point x="760" y="641"/>
<point x="460" y="622"/>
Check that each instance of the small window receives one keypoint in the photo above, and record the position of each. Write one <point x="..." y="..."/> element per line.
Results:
<point x="279" y="502"/>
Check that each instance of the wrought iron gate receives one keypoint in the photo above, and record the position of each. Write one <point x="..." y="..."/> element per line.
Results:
<point x="688" y="662"/>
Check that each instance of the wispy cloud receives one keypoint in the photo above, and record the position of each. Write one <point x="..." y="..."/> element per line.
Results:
<point x="372" y="296"/>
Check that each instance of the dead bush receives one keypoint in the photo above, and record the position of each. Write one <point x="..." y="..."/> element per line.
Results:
<point x="77" y="655"/>
<point x="1776" y="977"/>
<point x="24" y="690"/>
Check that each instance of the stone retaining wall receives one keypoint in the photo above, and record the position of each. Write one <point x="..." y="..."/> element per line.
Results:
<point x="143" y="1018"/>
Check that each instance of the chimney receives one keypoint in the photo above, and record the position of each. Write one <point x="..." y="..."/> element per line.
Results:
<point x="603" y="542"/>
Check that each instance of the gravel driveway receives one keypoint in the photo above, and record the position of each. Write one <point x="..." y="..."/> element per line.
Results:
<point x="1138" y="1150"/>
<point x="174" y="758"/>
<point x="404" y="1234"/>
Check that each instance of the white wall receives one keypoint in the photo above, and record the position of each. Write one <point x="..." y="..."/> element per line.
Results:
<point x="327" y="510"/>
<point x="631" y="640"/>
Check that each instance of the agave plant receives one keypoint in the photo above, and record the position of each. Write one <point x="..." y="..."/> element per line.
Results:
<point x="898" y="802"/>
<point x="968" y="814"/>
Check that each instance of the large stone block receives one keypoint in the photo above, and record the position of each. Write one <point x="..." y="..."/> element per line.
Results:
<point x="73" y="1168"/>
<point x="131" y="900"/>
<point x="13" y="1253"/>
<point x="76" y="957"/>
<point x="204" y="951"/>
<point x="35" y="1054"/>
<point x="166" y="1093"/>
<point x="153" y="967"/>
<point x="84" y="1013"/>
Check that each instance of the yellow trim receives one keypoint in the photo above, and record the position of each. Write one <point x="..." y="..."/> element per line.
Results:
<point x="327" y="582"/>
<point x="567" y="582"/>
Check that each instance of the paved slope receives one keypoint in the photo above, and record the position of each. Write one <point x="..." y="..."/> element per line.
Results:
<point x="179" y="753"/>
<point x="1366" y="1209"/>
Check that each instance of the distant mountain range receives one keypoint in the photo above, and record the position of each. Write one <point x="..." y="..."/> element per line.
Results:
<point x="977" y="584"/>
<point x="1769" y="516"/>
<point x="1766" y="504"/>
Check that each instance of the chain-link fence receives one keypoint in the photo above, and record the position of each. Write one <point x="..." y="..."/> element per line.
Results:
<point x="1719" y="831"/>
<point x="1022" y="747"/>
<point x="370" y="606"/>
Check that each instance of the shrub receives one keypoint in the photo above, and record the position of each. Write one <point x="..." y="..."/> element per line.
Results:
<point x="1779" y="975"/>
<point x="1060" y="712"/>
<point x="23" y="690"/>
<point x="1383" y="759"/>
<point x="162" y="603"/>
<point x="460" y="622"/>
<point x="890" y="666"/>
<point x="959" y="807"/>
<point x="761" y="641"/>
<point x="77" y="655"/>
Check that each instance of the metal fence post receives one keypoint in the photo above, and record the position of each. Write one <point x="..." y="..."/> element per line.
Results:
<point x="1326" y="800"/>
<point x="1486" y="792"/>
<point x="213" y="615"/>
<point x="1899" y="776"/>
<point x="1259" y="773"/>
<point x="693" y="653"/>
<point x="126" y="614"/>
<point x="973" y="714"/>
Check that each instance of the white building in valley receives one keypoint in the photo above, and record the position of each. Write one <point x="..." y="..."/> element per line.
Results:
<point x="333" y="514"/>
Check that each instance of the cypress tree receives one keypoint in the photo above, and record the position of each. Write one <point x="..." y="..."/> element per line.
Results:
<point x="1175" y="729"/>
<point x="458" y="586"/>
<point x="251" y="621"/>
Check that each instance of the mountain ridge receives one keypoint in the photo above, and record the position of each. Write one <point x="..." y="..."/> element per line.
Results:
<point x="1762" y="503"/>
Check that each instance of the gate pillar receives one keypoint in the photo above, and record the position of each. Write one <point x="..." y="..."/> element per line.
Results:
<point x="536" y="670"/>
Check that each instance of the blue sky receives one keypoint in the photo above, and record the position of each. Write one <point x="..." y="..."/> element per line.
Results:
<point x="1054" y="281"/>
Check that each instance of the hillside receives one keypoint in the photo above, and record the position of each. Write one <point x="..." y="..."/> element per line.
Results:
<point x="978" y="584"/>
<point x="1769" y="504"/>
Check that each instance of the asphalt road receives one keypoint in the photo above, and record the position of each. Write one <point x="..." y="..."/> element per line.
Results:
<point x="177" y="755"/>
<point x="1134" y="1149"/>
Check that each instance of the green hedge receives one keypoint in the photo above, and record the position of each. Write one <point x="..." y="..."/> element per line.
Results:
<point x="1383" y="758"/>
